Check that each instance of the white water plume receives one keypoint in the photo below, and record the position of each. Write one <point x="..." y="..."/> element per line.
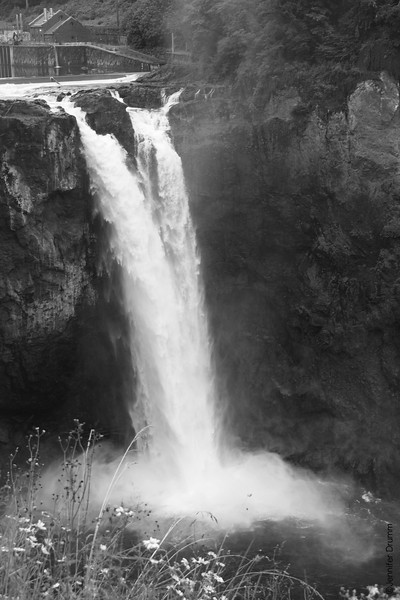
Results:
<point x="179" y="470"/>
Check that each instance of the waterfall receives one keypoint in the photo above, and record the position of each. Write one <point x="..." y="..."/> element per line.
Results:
<point x="170" y="337"/>
<point x="154" y="241"/>
<point x="179" y="470"/>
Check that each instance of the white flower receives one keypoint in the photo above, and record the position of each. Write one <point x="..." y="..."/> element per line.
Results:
<point x="185" y="563"/>
<point x="103" y="547"/>
<point x="218" y="578"/>
<point x="33" y="541"/>
<point x="120" y="510"/>
<point x="151" y="544"/>
<point x="40" y="525"/>
<point x="212" y="554"/>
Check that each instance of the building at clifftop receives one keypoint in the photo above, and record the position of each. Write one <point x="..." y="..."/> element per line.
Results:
<point x="57" y="28"/>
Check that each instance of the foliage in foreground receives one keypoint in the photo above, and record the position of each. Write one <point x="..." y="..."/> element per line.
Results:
<point x="60" y="552"/>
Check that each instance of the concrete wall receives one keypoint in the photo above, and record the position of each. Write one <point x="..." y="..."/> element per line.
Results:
<point x="31" y="61"/>
<point x="5" y="61"/>
<point x="104" y="61"/>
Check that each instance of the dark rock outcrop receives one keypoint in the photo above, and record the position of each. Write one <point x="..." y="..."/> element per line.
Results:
<point x="43" y="258"/>
<point x="105" y="115"/>
<point x="57" y="359"/>
<point x="298" y="222"/>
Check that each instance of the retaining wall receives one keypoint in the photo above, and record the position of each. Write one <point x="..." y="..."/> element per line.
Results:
<point x="35" y="60"/>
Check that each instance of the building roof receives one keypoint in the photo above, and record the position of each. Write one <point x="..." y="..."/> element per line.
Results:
<point x="37" y="21"/>
<point x="56" y="26"/>
<point x="42" y="19"/>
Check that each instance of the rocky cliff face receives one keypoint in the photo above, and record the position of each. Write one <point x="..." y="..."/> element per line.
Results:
<point x="298" y="222"/>
<point x="56" y="355"/>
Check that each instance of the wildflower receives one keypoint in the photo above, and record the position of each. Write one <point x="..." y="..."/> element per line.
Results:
<point x="23" y="520"/>
<point x="218" y="578"/>
<point x="185" y="563"/>
<point x="46" y="546"/>
<point x="373" y="590"/>
<point x="151" y="544"/>
<point x="103" y="547"/>
<point x="200" y="561"/>
<point x="33" y="541"/>
<point x="104" y="571"/>
<point x="4" y="549"/>
<point x="212" y="554"/>
<point x="40" y="525"/>
<point x="19" y="550"/>
<point x="56" y="585"/>
<point x="120" y="510"/>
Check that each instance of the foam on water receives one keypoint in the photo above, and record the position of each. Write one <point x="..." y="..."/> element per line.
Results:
<point x="45" y="89"/>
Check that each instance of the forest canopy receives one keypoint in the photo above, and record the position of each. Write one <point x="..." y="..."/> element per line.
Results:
<point x="322" y="46"/>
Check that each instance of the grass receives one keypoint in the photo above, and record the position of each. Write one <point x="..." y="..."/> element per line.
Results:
<point x="61" y="552"/>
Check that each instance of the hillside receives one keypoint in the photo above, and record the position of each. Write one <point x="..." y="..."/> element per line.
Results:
<point x="95" y="12"/>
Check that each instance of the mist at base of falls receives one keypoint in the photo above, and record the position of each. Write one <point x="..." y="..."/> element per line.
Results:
<point x="182" y="467"/>
<point x="234" y="494"/>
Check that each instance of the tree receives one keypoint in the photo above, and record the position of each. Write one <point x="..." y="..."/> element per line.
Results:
<point x="146" y="24"/>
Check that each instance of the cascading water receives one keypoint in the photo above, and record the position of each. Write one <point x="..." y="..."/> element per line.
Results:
<point x="170" y="336"/>
<point x="179" y="470"/>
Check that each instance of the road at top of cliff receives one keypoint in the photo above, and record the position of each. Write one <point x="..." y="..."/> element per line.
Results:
<point x="25" y="87"/>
